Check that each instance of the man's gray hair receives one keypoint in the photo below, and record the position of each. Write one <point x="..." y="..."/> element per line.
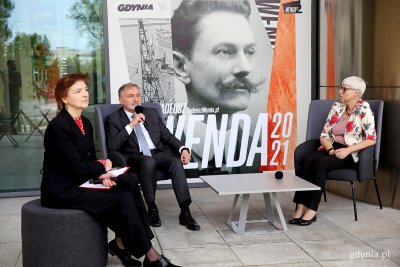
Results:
<point x="126" y="85"/>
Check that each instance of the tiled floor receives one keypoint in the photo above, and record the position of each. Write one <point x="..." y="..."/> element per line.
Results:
<point x="334" y="240"/>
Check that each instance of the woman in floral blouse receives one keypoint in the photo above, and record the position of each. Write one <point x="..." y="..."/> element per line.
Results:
<point x="349" y="128"/>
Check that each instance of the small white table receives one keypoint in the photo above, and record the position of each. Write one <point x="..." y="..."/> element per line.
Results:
<point x="250" y="183"/>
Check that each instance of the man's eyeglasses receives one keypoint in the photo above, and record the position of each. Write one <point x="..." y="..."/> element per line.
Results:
<point x="345" y="89"/>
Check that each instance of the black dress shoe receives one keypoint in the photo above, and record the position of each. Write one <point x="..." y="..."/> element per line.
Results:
<point x="186" y="219"/>
<point x="154" y="218"/>
<point x="294" y="220"/>
<point x="162" y="262"/>
<point x="122" y="254"/>
<point x="303" y="222"/>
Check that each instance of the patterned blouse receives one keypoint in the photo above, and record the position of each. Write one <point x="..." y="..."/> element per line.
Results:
<point x="361" y="124"/>
<point x="79" y="123"/>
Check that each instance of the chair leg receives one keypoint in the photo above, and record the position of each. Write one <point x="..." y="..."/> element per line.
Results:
<point x="354" y="201"/>
<point x="325" y="195"/>
<point x="12" y="140"/>
<point x="377" y="193"/>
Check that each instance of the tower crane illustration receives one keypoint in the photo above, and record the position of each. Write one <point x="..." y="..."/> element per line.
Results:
<point x="151" y="86"/>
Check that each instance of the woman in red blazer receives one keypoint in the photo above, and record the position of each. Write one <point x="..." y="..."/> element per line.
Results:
<point x="70" y="160"/>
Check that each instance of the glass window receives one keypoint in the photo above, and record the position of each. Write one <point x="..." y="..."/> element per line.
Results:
<point x="39" y="42"/>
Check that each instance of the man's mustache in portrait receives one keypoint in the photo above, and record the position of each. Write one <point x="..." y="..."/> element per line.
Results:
<point x="240" y="83"/>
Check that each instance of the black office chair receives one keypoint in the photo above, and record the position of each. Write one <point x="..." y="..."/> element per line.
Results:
<point x="118" y="160"/>
<point x="369" y="157"/>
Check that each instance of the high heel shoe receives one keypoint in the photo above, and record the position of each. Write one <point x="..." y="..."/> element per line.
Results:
<point x="294" y="220"/>
<point x="303" y="222"/>
<point x="122" y="254"/>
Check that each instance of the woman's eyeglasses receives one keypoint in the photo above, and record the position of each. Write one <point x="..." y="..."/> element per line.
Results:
<point x="345" y="89"/>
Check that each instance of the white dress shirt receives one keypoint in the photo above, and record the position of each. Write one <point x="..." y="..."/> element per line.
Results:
<point x="144" y="130"/>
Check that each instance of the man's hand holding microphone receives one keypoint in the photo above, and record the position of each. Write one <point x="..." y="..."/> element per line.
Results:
<point x="138" y="118"/>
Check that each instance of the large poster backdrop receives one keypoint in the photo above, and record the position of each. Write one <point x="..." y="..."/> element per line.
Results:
<point x="228" y="88"/>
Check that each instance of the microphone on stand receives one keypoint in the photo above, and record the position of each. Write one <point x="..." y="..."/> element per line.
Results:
<point x="278" y="175"/>
<point x="138" y="110"/>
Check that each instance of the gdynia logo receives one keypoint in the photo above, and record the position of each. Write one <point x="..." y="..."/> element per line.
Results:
<point x="134" y="7"/>
<point x="292" y="7"/>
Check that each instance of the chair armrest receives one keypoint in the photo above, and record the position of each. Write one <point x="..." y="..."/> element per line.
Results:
<point x="117" y="159"/>
<point x="366" y="163"/>
<point x="304" y="149"/>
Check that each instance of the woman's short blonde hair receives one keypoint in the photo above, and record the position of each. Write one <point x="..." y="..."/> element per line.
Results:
<point x="355" y="83"/>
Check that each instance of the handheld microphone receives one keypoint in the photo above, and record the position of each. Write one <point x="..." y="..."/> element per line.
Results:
<point x="278" y="175"/>
<point x="138" y="110"/>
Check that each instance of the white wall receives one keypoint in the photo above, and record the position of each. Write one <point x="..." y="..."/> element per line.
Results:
<point x="303" y="66"/>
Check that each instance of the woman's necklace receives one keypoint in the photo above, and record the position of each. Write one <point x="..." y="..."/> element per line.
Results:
<point x="348" y="113"/>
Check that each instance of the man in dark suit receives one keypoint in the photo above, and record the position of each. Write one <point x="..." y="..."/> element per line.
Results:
<point x="122" y="135"/>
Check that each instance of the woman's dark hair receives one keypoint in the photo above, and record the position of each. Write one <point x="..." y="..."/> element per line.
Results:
<point x="63" y="85"/>
<point x="187" y="15"/>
